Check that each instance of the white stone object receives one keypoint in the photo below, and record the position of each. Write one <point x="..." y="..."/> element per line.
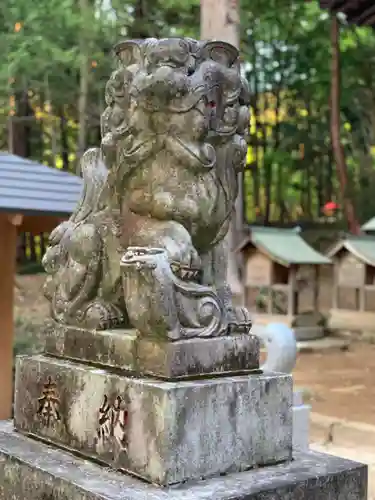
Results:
<point x="281" y="345"/>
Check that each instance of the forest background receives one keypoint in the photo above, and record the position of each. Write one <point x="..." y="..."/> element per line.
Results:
<point x="57" y="57"/>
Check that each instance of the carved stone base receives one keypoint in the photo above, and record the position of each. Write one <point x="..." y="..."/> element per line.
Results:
<point x="33" y="470"/>
<point x="167" y="360"/>
<point x="164" y="432"/>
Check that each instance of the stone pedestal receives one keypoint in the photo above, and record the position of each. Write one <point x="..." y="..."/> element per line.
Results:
<point x="301" y="422"/>
<point x="36" y="471"/>
<point x="179" y="415"/>
<point x="164" y="432"/>
<point x="124" y="350"/>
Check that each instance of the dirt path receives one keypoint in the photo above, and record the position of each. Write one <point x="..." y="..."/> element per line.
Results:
<point x="340" y="384"/>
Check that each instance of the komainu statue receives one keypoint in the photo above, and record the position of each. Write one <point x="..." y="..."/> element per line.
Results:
<point x="145" y="247"/>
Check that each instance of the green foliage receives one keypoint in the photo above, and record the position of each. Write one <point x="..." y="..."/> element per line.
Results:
<point x="285" y="46"/>
<point x="291" y="173"/>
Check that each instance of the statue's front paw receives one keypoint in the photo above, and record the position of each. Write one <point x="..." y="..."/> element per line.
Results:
<point x="101" y="316"/>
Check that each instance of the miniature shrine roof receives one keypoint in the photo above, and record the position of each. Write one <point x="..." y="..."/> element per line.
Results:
<point x="27" y="187"/>
<point x="363" y="247"/>
<point x="360" y="12"/>
<point x="369" y="225"/>
<point x="285" y="246"/>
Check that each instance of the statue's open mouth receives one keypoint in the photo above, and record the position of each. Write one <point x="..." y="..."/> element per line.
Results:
<point x="185" y="273"/>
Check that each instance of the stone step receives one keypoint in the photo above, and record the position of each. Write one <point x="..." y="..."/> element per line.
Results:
<point x="33" y="470"/>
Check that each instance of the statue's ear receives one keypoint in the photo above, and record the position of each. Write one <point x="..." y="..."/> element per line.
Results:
<point x="129" y="51"/>
<point x="221" y="52"/>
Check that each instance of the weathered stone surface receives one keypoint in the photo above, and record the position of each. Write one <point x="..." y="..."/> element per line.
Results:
<point x="112" y="348"/>
<point x="221" y="355"/>
<point x="123" y="349"/>
<point x="29" y="469"/>
<point x="301" y="422"/>
<point x="165" y="432"/>
<point x="161" y="187"/>
<point x="309" y="332"/>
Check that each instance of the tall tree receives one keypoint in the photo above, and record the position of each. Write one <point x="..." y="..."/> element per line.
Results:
<point x="84" y="75"/>
<point x="220" y="21"/>
<point x="338" y="149"/>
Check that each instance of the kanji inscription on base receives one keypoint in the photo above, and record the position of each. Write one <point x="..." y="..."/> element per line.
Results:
<point x="113" y="419"/>
<point x="49" y="404"/>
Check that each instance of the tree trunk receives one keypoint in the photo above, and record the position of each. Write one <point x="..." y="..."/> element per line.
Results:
<point x="338" y="150"/>
<point x="267" y="163"/>
<point x="140" y="29"/>
<point x="64" y="139"/>
<point x="220" y="21"/>
<point x="84" y="82"/>
<point x="255" y="144"/>
<point x="19" y="144"/>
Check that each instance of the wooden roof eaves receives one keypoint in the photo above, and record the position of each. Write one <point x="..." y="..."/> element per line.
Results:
<point x="346" y="244"/>
<point x="263" y="249"/>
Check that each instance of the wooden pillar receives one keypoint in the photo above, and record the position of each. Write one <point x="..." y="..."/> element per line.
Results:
<point x="362" y="298"/>
<point x="270" y="289"/>
<point x="292" y="282"/>
<point x="316" y="288"/>
<point x="362" y="288"/>
<point x="8" y="250"/>
<point x="335" y="296"/>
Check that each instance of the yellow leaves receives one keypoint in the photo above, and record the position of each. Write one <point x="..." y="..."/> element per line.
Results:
<point x="12" y="103"/>
<point x="252" y="122"/>
<point x="17" y="27"/>
<point x="303" y="112"/>
<point x="39" y="114"/>
<point x="59" y="162"/>
<point x="250" y="156"/>
<point x="347" y="127"/>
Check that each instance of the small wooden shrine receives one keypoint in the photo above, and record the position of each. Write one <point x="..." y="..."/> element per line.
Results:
<point x="369" y="226"/>
<point x="33" y="198"/>
<point x="353" y="304"/>
<point x="281" y="274"/>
